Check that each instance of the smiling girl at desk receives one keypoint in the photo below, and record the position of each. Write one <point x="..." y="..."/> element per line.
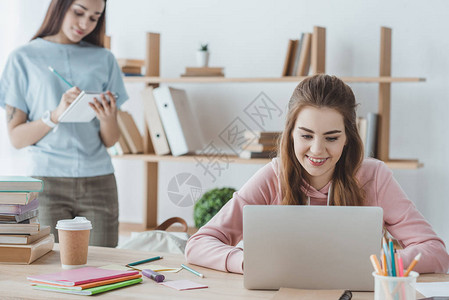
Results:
<point x="320" y="162"/>
<point x="72" y="160"/>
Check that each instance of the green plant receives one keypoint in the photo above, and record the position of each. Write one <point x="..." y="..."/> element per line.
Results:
<point x="203" y="47"/>
<point x="210" y="203"/>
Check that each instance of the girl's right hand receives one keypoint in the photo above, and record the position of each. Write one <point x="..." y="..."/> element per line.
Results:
<point x="67" y="98"/>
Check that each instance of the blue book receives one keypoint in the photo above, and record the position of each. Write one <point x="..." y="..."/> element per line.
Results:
<point x="20" y="184"/>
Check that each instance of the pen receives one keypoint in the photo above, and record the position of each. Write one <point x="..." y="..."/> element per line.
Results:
<point x="144" y="261"/>
<point x="376" y="264"/>
<point x="59" y="75"/>
<point x="153" y="275"/>
<point x="384" y="245"/>
<point x="192" y="270"/>
<point x="393" y="266"/>
<point x="413" y="264"/>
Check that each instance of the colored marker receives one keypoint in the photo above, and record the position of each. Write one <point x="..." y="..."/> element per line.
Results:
<point x="393" y="265"/>
<point x="412" y="265"/>
<point x="400" y="266"/>
<point x="192" y="270"/>
<point x="375" y="264"/>
<point x="59" y="75"/>
<point x="144" y="261"/>
<point x="153" y="275"/>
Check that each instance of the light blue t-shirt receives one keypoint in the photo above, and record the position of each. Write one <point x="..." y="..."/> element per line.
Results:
<point x="74" y="149"/>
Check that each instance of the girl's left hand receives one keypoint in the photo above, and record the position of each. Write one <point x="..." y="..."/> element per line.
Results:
<point x="105" y="111"/>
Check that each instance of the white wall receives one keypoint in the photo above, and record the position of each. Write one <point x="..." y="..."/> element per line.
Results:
<point x="249" y="38"/>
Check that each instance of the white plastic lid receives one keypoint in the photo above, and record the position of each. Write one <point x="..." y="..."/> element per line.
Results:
<point x="78" y="223"/>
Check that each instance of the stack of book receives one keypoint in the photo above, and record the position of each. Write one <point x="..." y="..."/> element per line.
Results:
<point x="131" y="67"/>
<point x="84" y="281"/>
<point x="261" y="144"/>
<point x="306" y="54"/>
<point x="203" y="72"/>
<point x="22" y="239"/>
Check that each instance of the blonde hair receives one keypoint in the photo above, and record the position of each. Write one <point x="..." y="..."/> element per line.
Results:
<point x="323" y="91"/>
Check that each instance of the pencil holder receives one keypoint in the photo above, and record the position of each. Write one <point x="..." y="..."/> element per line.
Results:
<point x="395" y="288"/>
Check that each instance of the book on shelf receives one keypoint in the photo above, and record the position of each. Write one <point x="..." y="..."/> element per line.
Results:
<point x="17" y="209"/>
<point x="289" y="56"/>
<point x="152" y="54"/>
<point x="132" y="70"/>
<point x="24" y="239"/>
<point x="362" y="129"/>
<point x="122" y="146"/>
<point x="154" y="123"/>
<point x="180" y="125"/>
<point x="26" y="254"/>
<point x="303" y="66"/>
<point x="129" y="62"/>
<point x="371" y="135"/>
<point x="296" y="56"/>
<point x="260" y="147"/>
<point x="318" y="56"/>
<point x="20" y="184"/>
<point x="130" y="132"/>
<point x="17" y="218"/>
<point x="251" y="154"/>
<point x="203" y="71"/>
<point x="29" y="226"/>
<point x="21" y="198"/>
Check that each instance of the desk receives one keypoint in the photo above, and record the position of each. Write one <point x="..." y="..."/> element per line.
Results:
<point x="13" y="282"/>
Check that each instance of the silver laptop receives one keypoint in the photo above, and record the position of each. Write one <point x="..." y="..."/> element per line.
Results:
<point x="310" y="247"/>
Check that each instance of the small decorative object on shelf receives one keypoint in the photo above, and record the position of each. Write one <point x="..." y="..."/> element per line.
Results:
<point x="202" y="56"/>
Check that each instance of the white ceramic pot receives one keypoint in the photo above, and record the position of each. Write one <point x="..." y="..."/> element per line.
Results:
<point x="202" y="58"/>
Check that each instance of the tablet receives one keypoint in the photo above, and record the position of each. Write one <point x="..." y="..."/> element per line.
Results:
<point x="79" y="110"/>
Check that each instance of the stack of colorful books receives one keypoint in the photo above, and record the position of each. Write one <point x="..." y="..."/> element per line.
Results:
<point x="84" y="281"/>
<point x="22" y="239"/>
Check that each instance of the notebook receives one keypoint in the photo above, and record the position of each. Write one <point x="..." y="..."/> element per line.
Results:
<point x="310" y="247"/>
<point x="79" y="110"/>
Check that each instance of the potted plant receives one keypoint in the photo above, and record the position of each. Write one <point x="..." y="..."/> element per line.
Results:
<point x="202" y="56"/>
<point x="210" y="203"/>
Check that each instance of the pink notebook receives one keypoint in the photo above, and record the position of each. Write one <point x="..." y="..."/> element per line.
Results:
<point x="80" y="276"/>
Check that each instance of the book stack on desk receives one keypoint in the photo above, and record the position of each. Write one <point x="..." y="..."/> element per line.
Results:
<point x="84" y="281"/>
<point x="22" y="239"/>
<point x="261" y="144"/>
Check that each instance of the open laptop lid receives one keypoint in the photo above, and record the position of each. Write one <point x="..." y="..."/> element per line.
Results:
<point x="310" y="247"/>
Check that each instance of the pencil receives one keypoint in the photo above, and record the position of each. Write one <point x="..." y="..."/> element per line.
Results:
<point x="144" y="261"/>
<point x="192" y="270"/>
<point x="401" y="266"/>
<point x="375" y="264"/>
<point x="412" y="265"/>
<point x="387" y="255"/>
<point x="384" y="263"/>
<point x="59" y="75"/>
<point x="393" y="265"/>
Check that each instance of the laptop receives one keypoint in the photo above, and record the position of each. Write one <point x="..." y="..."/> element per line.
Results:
<point x="310" y="247"/>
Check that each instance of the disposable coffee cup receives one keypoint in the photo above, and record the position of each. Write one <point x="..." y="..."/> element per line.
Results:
<point x="392" y="288"/>
<point x="73" y="241"/>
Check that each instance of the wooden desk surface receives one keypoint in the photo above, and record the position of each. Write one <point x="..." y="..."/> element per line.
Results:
<point x="13" y="282"/>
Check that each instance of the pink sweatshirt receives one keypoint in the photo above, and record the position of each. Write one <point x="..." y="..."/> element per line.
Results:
<point x="213" y="246"/>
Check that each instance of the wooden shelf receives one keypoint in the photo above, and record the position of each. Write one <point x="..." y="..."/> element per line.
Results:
<point x="392" y="164"/>
<point x="157" y="80"/>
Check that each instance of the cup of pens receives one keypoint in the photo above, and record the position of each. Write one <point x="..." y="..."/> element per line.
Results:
<point x="391" y="280"/>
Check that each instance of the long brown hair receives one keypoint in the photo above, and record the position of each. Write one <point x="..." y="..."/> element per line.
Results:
<point x="323" y="91"/>
<point x="55" y="16"/>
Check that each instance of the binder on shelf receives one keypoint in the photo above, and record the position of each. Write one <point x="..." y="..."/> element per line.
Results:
<point x="180" y="125"/>
<point x="130" y="132"/>
<point x="154" y="123"/>
<point x="296" y="56"/>
<point x="362" y="129"/>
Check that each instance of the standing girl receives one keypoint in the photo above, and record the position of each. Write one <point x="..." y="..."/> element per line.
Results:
<point x="71" y="158"/>
<point x="320" y="163"/>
